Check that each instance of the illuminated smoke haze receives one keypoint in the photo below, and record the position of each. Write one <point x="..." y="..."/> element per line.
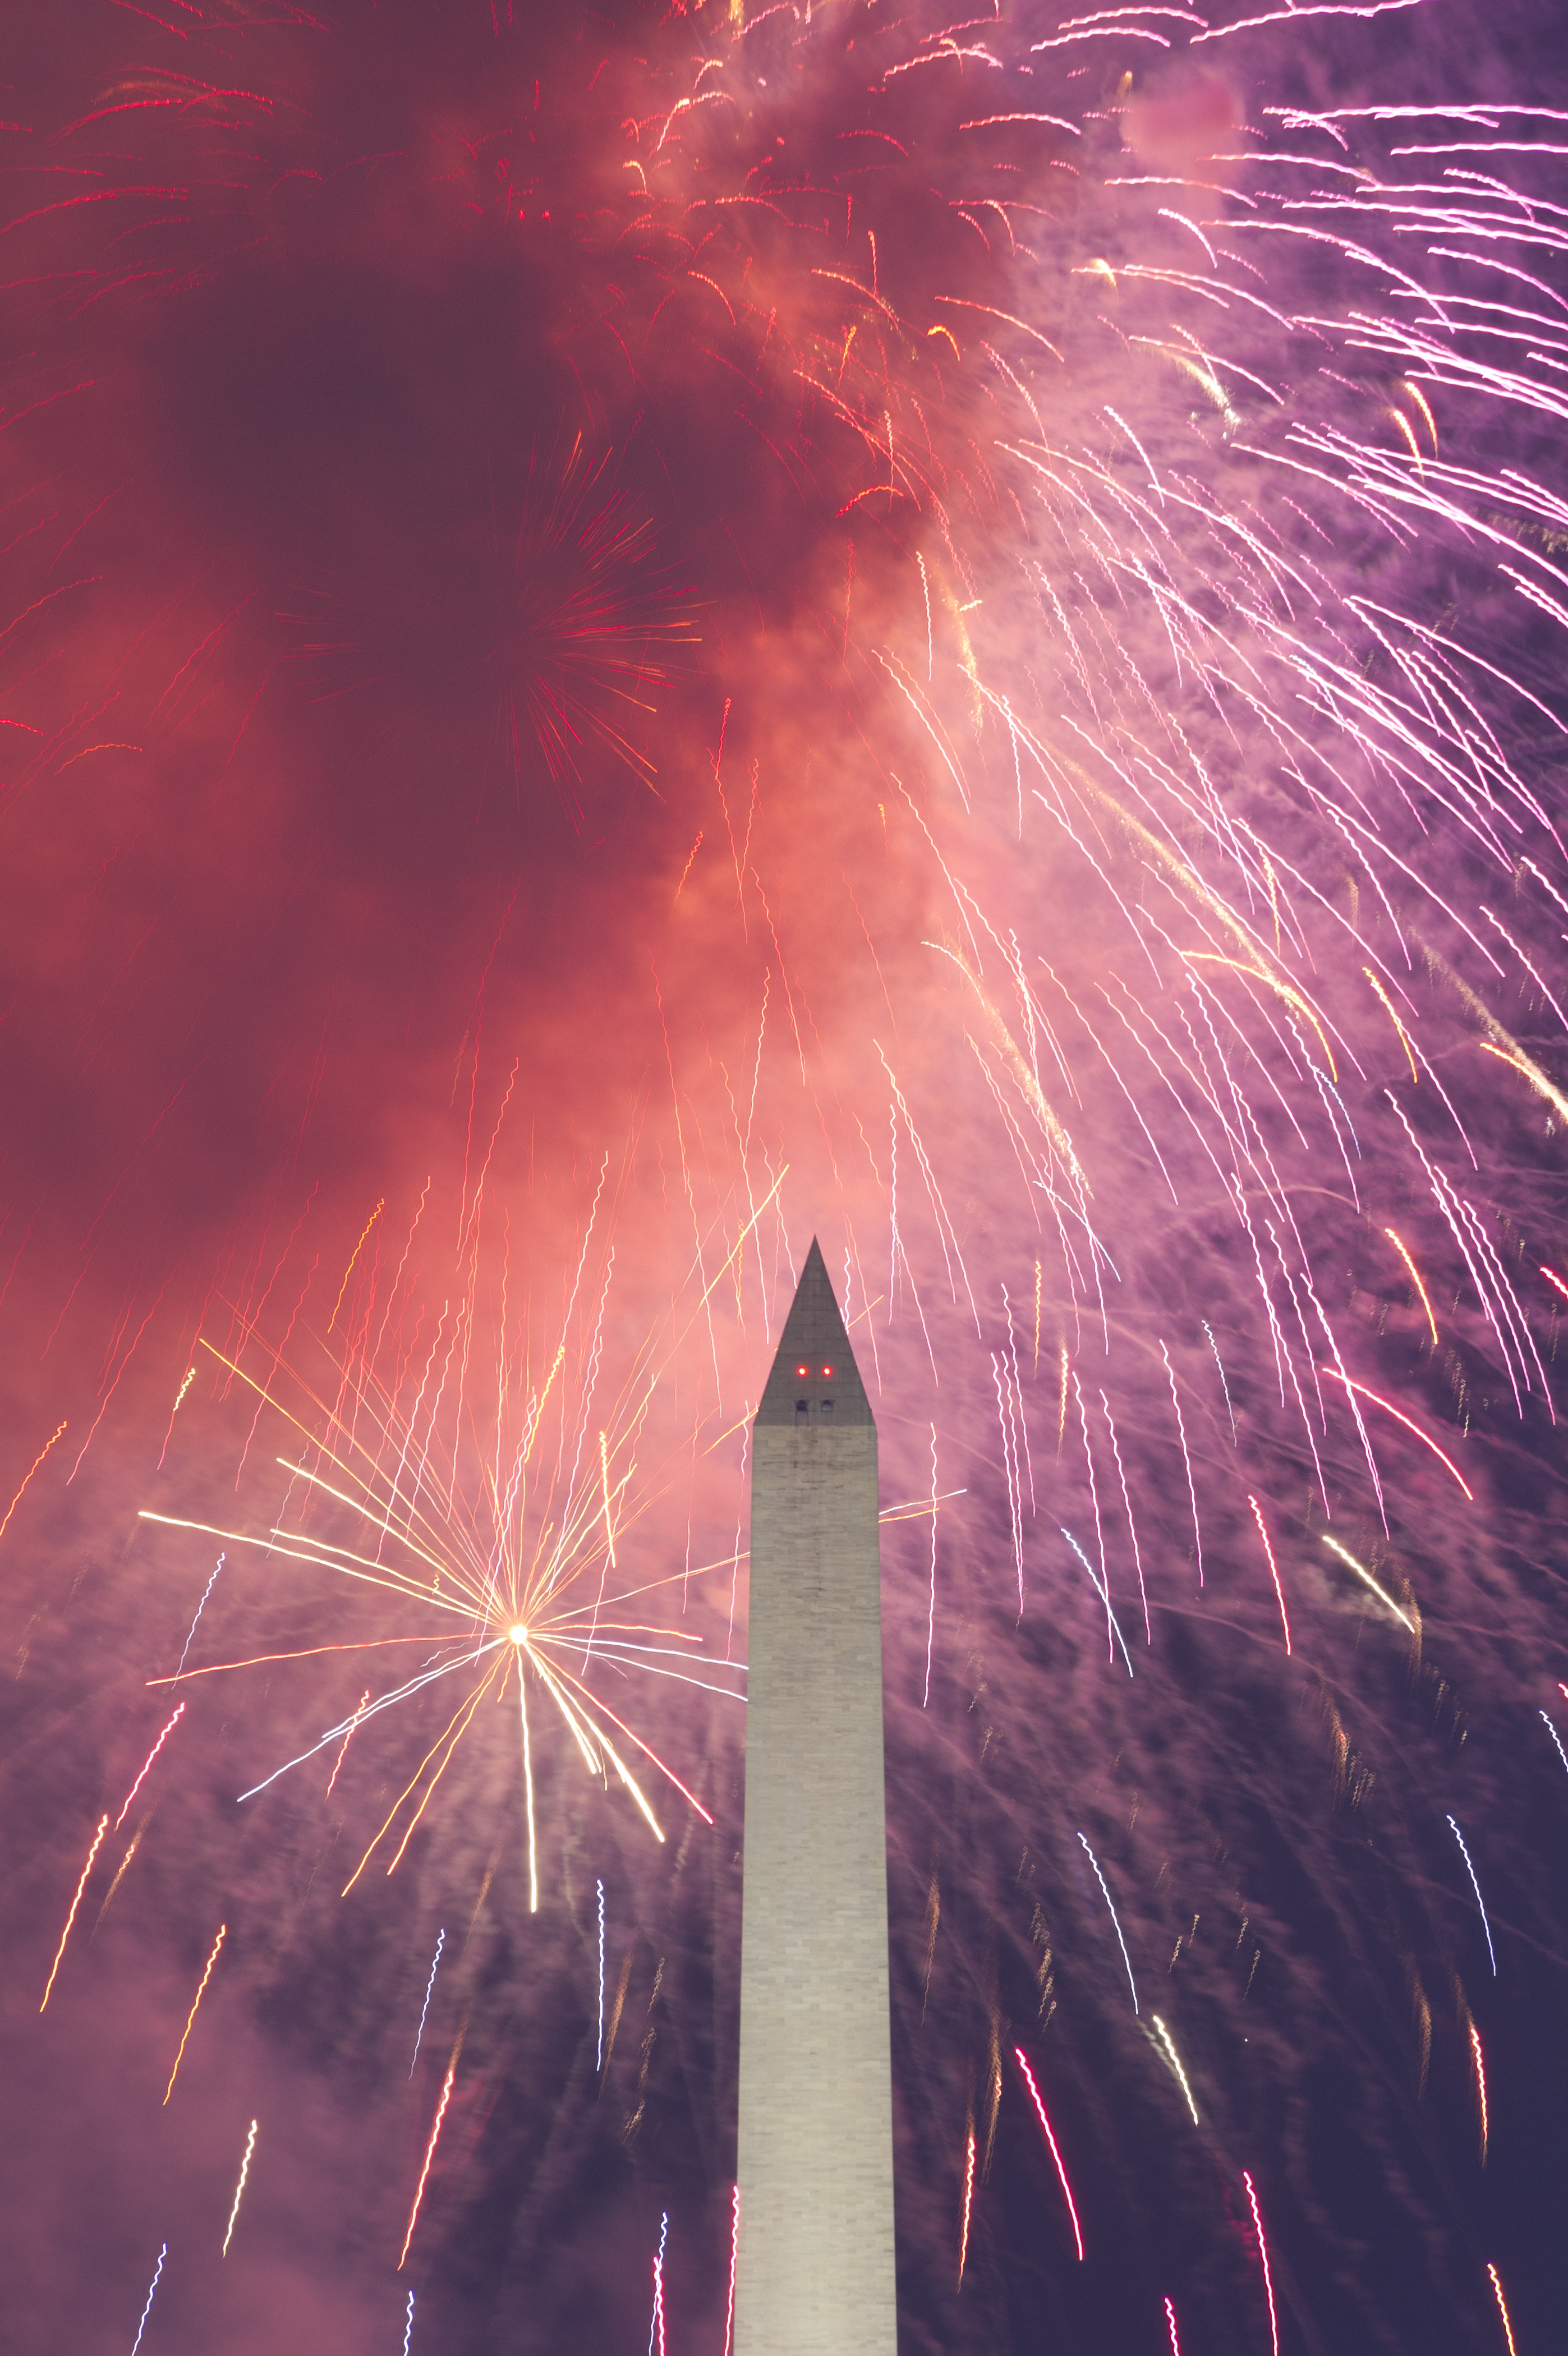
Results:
<point x="627" y="642"/>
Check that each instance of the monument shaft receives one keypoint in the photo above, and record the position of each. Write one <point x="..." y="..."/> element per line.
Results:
<point x="815" y="2262"/>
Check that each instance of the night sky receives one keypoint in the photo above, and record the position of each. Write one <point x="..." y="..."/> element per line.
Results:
<point x="625" y="639"/>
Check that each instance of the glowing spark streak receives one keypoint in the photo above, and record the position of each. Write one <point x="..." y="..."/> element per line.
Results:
<point x="528" y="1789"/>
<point x="734" y="2255"/>
<point x="199" y="1610"/>
<point x="408" y="2327"/>
<point x="1105" y="1893"/>
<point x="1186" y="1460"/>
<point x="1101" y="1592"/>
<point x="932" y="1611"/>
<point x="343" y="1754"/>
<point x="1061" y="1418"/>
<point x="1537" y="1080"/>
<point x="190" y="2019"/>
<point x="605" y="1473"/>
<point x="1175" y="2065"/>
<point x="152" y="2293"/>
<point x="599" y="2062"/>
<point x="1555" y="1737"/>
<point x="1131" y="1525"/>
<point x="1476" y="1887"/>
<point x="968" y="2208"/>
<point x="1274" y="1567"/>
<point x="31" y="1470"/>
<point x="353" y="1256"/>
<point x="76" y="1901"/>
<point x="146" y="1764"/>
<point x="178" y="1402"/>
<point x="240" y="2188"/>
<point x="1447" y="1463"/>
<point x="1393" y="1018"/>
<point x="1480" y="2086"/>
<point x="1416" y="1279"/>
<point x="1264" y="2255"/>
<point x="1556" y="1282"/>
<point x="429" y="1987"/>
<point x="1496" y="2292"/>
<point x="429" y="2156"/>
<point x="656" y="2327"/>
<point x="1361" y="1572"/>
<point x="1223" y="1384"/>
<point x="1170" y="2325"/>
<point x="1041" y="2109"/>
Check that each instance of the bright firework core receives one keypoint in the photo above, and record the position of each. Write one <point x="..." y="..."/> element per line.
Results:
<point x="626" y="633"/>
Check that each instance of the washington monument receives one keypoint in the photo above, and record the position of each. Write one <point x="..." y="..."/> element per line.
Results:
<point x="814" y="2271"/>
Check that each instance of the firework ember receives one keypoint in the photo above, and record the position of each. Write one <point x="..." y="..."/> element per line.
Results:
<point x="627" y="635"/>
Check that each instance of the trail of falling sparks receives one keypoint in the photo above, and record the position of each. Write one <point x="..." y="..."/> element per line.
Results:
<point x="734" y="2255"/>
<point x="1105" y="1893"/>
<point x="931" y="1606"/>
<point x="429" y="1987"/>
<point x="968" y="2207"/>
<point x="1170" y="2326"/>
<point x="178" y="1402"/>
<point x="1498" y="2295"/>
<point x="1363" y="1573"/>
<point x="196" y="2006"/>
<point x="1274" y="1567"/>
<point x="1186" y="1460"/>
<point x="240" y="2188"/>
<point x="408" y="2327"/>
<point x="1051" y="2138"/>
<point x="1476" y="1886"/>
<point x="353" y="1256"/>
<point x="343" y="1754"/>
<point x="429" y="2156"/>
<point x="1175" y="2064"/>
<point x="1555" y="1737"/>
<point x="1553" y="1278"/>
<point x="152" y="2294"/>
<point x="199" y="1610"/>
<point x="1263" y="2258"/>
<point x="76" y="1901"/>
<point x="1480" y="2086"/>
<point x="27" y="1476"/>
<point x="656" y="2326"/>
<point x="600" y="2061"/>
<point x="1224" y="1386"/>
<point x="1389" y="1407"/>
<point x="147" y="1762"/>
<point x="1416" y="1279"/>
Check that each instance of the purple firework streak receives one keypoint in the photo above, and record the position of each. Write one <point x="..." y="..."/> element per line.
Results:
<point x="626" y="639"/>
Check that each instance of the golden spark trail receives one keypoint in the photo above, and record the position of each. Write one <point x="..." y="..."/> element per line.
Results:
<point x="353" y="1256"/>
<point x="1502" y="2308"/>
<point x="76" y="1901"/>
<point x="1175" y="2063"/>
<point x="1416" y="1279"/>
<point x="1362" y="1573"/>
<point x="1389" y="1008"/>
<point x="240" y="2188"/>
<point x="190" y="2021"/>
<point x="1480" y="2086"/>
<point x="27" y="1476"/>
<point x="353" y="1722"/>
<point x="146" y="1764"/>
<point x="429" y="2156"/>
